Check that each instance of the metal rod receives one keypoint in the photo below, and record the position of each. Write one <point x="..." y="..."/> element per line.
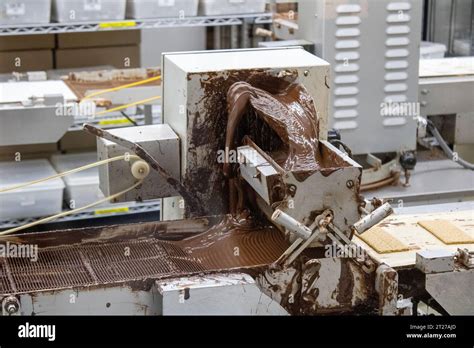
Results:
<point x="234" y="37"/>
<point x="245" y="34"/>
<point x="303" y="246"/>
<point x="291" y="224"/>
<point x="373" y="218"/>
<point x="148" y="111"/>
<point x="217" y="38"/>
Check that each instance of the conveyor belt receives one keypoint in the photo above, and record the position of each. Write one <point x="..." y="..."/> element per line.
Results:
<point x="76" y="265"/>
<point x="406" y="229"/>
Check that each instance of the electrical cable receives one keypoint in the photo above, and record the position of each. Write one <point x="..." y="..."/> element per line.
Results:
<point x="134" y="84"/>
<point x="337" y="142"/>
<point x="128" y="118"/>
<point x="122" y="107"/>
<point x="445" y="147"/>
<point x="70" y="212"/>
<point x="140" y="170"/>
<point x="72" y="171"/>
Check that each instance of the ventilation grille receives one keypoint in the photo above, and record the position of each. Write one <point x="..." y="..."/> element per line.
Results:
<point x="396" y="59"/>
<point x="346" y="70"/>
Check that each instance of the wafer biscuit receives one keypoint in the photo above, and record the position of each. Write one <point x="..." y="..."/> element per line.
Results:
<point x="382" y="242"/>
<point x="446" y="232"/>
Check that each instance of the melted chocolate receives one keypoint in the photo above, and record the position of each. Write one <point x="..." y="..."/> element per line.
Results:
<point x="290" y="113"/>
<point x="237" y="241"/>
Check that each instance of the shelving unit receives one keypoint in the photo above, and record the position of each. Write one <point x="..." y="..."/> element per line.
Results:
<point x="95" y="213"/>
<point x="134" y="24"/>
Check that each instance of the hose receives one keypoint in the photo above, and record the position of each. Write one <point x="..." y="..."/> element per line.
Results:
<point x="447" y="150"/>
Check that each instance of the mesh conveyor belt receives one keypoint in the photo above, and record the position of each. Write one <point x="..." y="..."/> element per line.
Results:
<point x="76" y="265"/>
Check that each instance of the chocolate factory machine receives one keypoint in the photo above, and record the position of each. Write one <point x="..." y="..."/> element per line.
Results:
<point x="261" y="214"/>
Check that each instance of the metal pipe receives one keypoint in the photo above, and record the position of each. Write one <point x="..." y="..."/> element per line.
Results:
<point x="373" y="218"/>
<point x="245" y="34"/>
<point x="291" y="224"/>
<point x="217" y="37"/>
<point x="452" y="23"/>
<point x="234" y="37"/>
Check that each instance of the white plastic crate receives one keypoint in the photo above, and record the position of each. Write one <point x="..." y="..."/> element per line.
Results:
<point x="432" y="50"/>
<point x="65" y="11"/>
<point x="161" y="8"/>
<point x="229" y="7"/>
<point x="82" y="188"/>
<point x="43" y="199"/>
<point x="25" y="12"/>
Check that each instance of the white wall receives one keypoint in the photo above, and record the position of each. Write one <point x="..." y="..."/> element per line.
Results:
<point x="156" y="41"/>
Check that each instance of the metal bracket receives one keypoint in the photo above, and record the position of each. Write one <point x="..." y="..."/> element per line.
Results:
<point x="465" y="257"/>
<point x="317" y="229"/>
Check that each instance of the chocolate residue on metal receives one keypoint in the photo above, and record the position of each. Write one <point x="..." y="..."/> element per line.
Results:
<point x="346" y="285"/>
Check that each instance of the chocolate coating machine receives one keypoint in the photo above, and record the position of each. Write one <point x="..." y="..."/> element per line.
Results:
<point x="259" y="209"/>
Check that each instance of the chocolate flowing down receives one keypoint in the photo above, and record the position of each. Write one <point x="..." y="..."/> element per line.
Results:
<point x="290" y="112"/>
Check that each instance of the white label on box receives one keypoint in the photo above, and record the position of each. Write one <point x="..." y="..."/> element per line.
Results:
<point x="15" y="9"/>
<point x="92" y="5"/>
<point x="166" y="3"/>
<point x="236" y="1"/>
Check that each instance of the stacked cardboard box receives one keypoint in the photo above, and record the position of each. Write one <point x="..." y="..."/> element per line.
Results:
<point x="120" y="49"/>
<point x="26" y="53"/>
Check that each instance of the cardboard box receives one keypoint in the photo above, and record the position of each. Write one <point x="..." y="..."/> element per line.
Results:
<point x="21" y="61"/>
<point x="26" y="42"/>
<point x="78" y="141"/>
<point x="120" y="57"/>
<point x="99" y="39"/>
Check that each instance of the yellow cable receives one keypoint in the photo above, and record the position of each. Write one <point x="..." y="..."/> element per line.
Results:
<point x="156" y="78"/>
<point x="60" y="175"/>
<point x="118" y="108"/>
<point x="54" y="217"/>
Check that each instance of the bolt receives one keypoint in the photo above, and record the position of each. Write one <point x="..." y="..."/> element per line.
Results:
<point x="306" y="73"/>
<point x="11" y="305"/>
<point x="350" y="184"/>
<point x="425" y="91"/>
<point x="292" y="190"/>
